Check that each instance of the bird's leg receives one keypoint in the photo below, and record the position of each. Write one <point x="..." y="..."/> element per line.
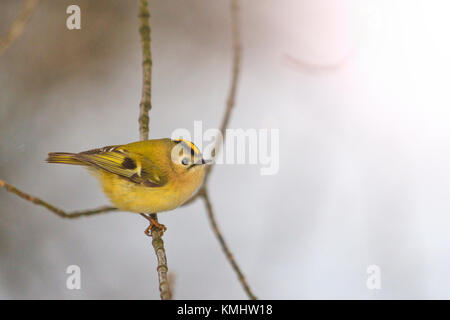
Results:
<point x="153" y="223"/>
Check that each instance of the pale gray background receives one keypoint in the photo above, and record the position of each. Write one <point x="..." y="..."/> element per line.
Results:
<point x="364" y="148"/>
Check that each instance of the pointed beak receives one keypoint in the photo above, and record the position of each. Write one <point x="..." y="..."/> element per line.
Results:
<point x="206" y="161"/>
<point x="201" y="163"/>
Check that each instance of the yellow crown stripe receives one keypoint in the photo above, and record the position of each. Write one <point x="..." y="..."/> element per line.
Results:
<point x="190" y="145"/>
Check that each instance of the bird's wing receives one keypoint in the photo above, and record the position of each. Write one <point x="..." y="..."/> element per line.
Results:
<point x="124" y="163"/>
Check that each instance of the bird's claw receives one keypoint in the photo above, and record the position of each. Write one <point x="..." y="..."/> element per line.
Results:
<point x="156" y="224"/>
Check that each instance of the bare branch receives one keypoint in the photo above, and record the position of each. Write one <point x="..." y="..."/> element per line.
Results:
<point x="224" y="245"/>
<point x="18" y="25"/>
<point x="145" y="106"/>
<point x="52" y="208"/>
<point x="236" y="66"/>
<point x="231" y="100"/>
<point x="230" y="103"/>
<point x="158" y="245"/>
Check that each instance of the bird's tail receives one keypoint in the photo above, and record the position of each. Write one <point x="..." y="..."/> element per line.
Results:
<point x="63" y="157"/>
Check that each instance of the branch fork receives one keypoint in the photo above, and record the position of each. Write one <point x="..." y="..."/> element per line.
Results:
<point x="156" y="229"/>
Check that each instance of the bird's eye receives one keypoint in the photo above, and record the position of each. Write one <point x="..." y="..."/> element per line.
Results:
<point x="185" y="161"/>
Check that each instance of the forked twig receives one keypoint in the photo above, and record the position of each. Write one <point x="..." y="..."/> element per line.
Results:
<point x="145" y="106"/>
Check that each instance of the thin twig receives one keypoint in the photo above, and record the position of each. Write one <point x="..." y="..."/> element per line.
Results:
<point x="18" y="25"/>
<point x="231" y="99"/>
<point x="230" y="103"/>
<point x="146" y="95"/>
<point x="224" y="245"/>
<point x="236" y="66"/>
<point x="145" y="106"/>
<point x="55" y="210"/>
<point x="158" y="245"/>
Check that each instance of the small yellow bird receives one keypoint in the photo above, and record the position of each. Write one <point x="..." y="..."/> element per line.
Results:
<point x="143" y="177"/>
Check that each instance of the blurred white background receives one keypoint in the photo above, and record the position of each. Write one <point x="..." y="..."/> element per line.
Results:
<point x="357" y="89"/>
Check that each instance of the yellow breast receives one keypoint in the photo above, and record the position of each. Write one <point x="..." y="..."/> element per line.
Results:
<point x="132" y="197"/>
